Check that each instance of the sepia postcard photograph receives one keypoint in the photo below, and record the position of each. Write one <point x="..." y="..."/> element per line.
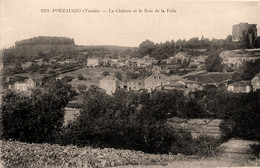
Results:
<point x="129" y="84"/>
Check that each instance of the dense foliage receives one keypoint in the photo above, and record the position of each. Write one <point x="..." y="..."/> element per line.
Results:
<point x="214" y="63"/>
<point x="194" y="45"/>
<point x="17" y="154"/>
<point x="134" y="121"/>
<point x="240" y="111"/>
<point x="37" y="117"/>
<point x="45" y="40"/>
<point x="247" y="71"/>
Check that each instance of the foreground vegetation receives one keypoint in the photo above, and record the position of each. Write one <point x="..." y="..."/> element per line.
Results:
<point x="17" y="154"/>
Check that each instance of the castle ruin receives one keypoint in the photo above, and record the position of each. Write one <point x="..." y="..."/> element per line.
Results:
<point x="244" y="32"/>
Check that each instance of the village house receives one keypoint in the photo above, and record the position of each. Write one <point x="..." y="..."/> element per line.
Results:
<point x="132" y="63"/>
<point x="93" y="62"/>
<point x="110" y="84"/>
<point x="113" y="62"/>
<point x="135" y="84"/>
<point x="24" y="86"/>
<point x="69" y="60"/>
<point x="192" y="85"/>
<point x="240" y="87"/>
<point x="156" y="69"/>
<point x="146" y="61"/>
<point x="122" y="85"/>
<point x="198" y="62"/>
<point x="154" y="81"/>
<point x="181" y="57"/>
<point x="256" y="82"/>
<point x="25" y="65"/>
<point x="105" y="62"/>
<point x="166" y="61"/>
<point x="39" y="62"/>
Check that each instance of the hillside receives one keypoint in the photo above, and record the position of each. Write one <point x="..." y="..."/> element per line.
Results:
<point x="214" y="77"/>
<point x="92" y="75"/>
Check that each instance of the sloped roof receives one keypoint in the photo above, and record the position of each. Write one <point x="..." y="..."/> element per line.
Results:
<point x="241" y="83"/>
<point x="257" y="75"/>
<point x="175" y="77"/>
<point x="181" y="54"/>
<point x="202" y="58"/>
<point x="110" y="77"/>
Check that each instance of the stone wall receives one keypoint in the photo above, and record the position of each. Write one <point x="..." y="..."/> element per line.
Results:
<point x="198" y="127"/>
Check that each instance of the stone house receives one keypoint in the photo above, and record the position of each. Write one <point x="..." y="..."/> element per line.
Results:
<point x="198" y="62"/>
<point x="93" y="62"/>
<point x="25" y="65"/>
<point x="39" y="62"/>
<point x="24" y="86"/>
<point x="240" y="87"/>
<point x="166" y="61"/>
<point x="105" y="62"/>
<point x="154" y="81"/>
<point x="256" y="82"/>
<point x="135" y="84"/>
<point x="181" y="57"/>
<point x="156" y="69"/>
<point x="110" y="84"/>
<point x="146" y="61"/>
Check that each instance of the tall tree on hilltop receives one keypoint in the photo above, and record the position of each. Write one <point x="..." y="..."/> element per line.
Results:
<point x="146" y="47"/>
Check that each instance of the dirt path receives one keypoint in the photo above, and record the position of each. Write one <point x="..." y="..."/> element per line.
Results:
<point x="236" y="154"/>
<point x="203" y="163"/>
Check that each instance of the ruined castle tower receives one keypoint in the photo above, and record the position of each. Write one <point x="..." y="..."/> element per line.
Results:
<point x="244" y="31"/>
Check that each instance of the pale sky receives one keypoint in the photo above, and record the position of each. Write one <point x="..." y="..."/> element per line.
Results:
<point x="22" y="19"/>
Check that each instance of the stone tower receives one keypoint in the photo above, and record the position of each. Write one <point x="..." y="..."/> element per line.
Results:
<point x="243" y="31"/>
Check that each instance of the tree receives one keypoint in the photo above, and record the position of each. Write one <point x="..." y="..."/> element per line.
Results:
<point x="81" y="88"/>
<point x="105" y="73"/>
<point x="146" y="47"/>
<point x="37" y="117"/>
<point x="118" y="75"/>
<point x="81" y="77"/>
<point x="214" y="63"/>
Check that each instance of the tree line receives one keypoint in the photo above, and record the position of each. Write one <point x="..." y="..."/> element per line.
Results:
<point x="128" y="120"/>
<point x="45" y="40"/>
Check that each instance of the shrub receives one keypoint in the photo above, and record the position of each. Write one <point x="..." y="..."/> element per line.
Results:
<point x="200" y="146"/>
<point x="81" y="77"/>
<point x="255" y="150"/>
<point x="81" y="88"/>
<point x="105" y="73"/>
<point x="37" y="117"/>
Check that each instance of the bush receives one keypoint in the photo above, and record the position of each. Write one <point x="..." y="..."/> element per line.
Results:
<point x="255" y="150"/>
<point x="81" y="77"/>
<point x="37" y="117"/>
<point x="82" y="88"/>
<point x="201" y="146"/>
<point x="105" y="73"/>
<point x="133" y="120"/>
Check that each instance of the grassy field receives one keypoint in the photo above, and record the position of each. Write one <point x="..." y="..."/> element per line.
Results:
<point x="92" y="75"/>
<point x="211" y="77"/>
